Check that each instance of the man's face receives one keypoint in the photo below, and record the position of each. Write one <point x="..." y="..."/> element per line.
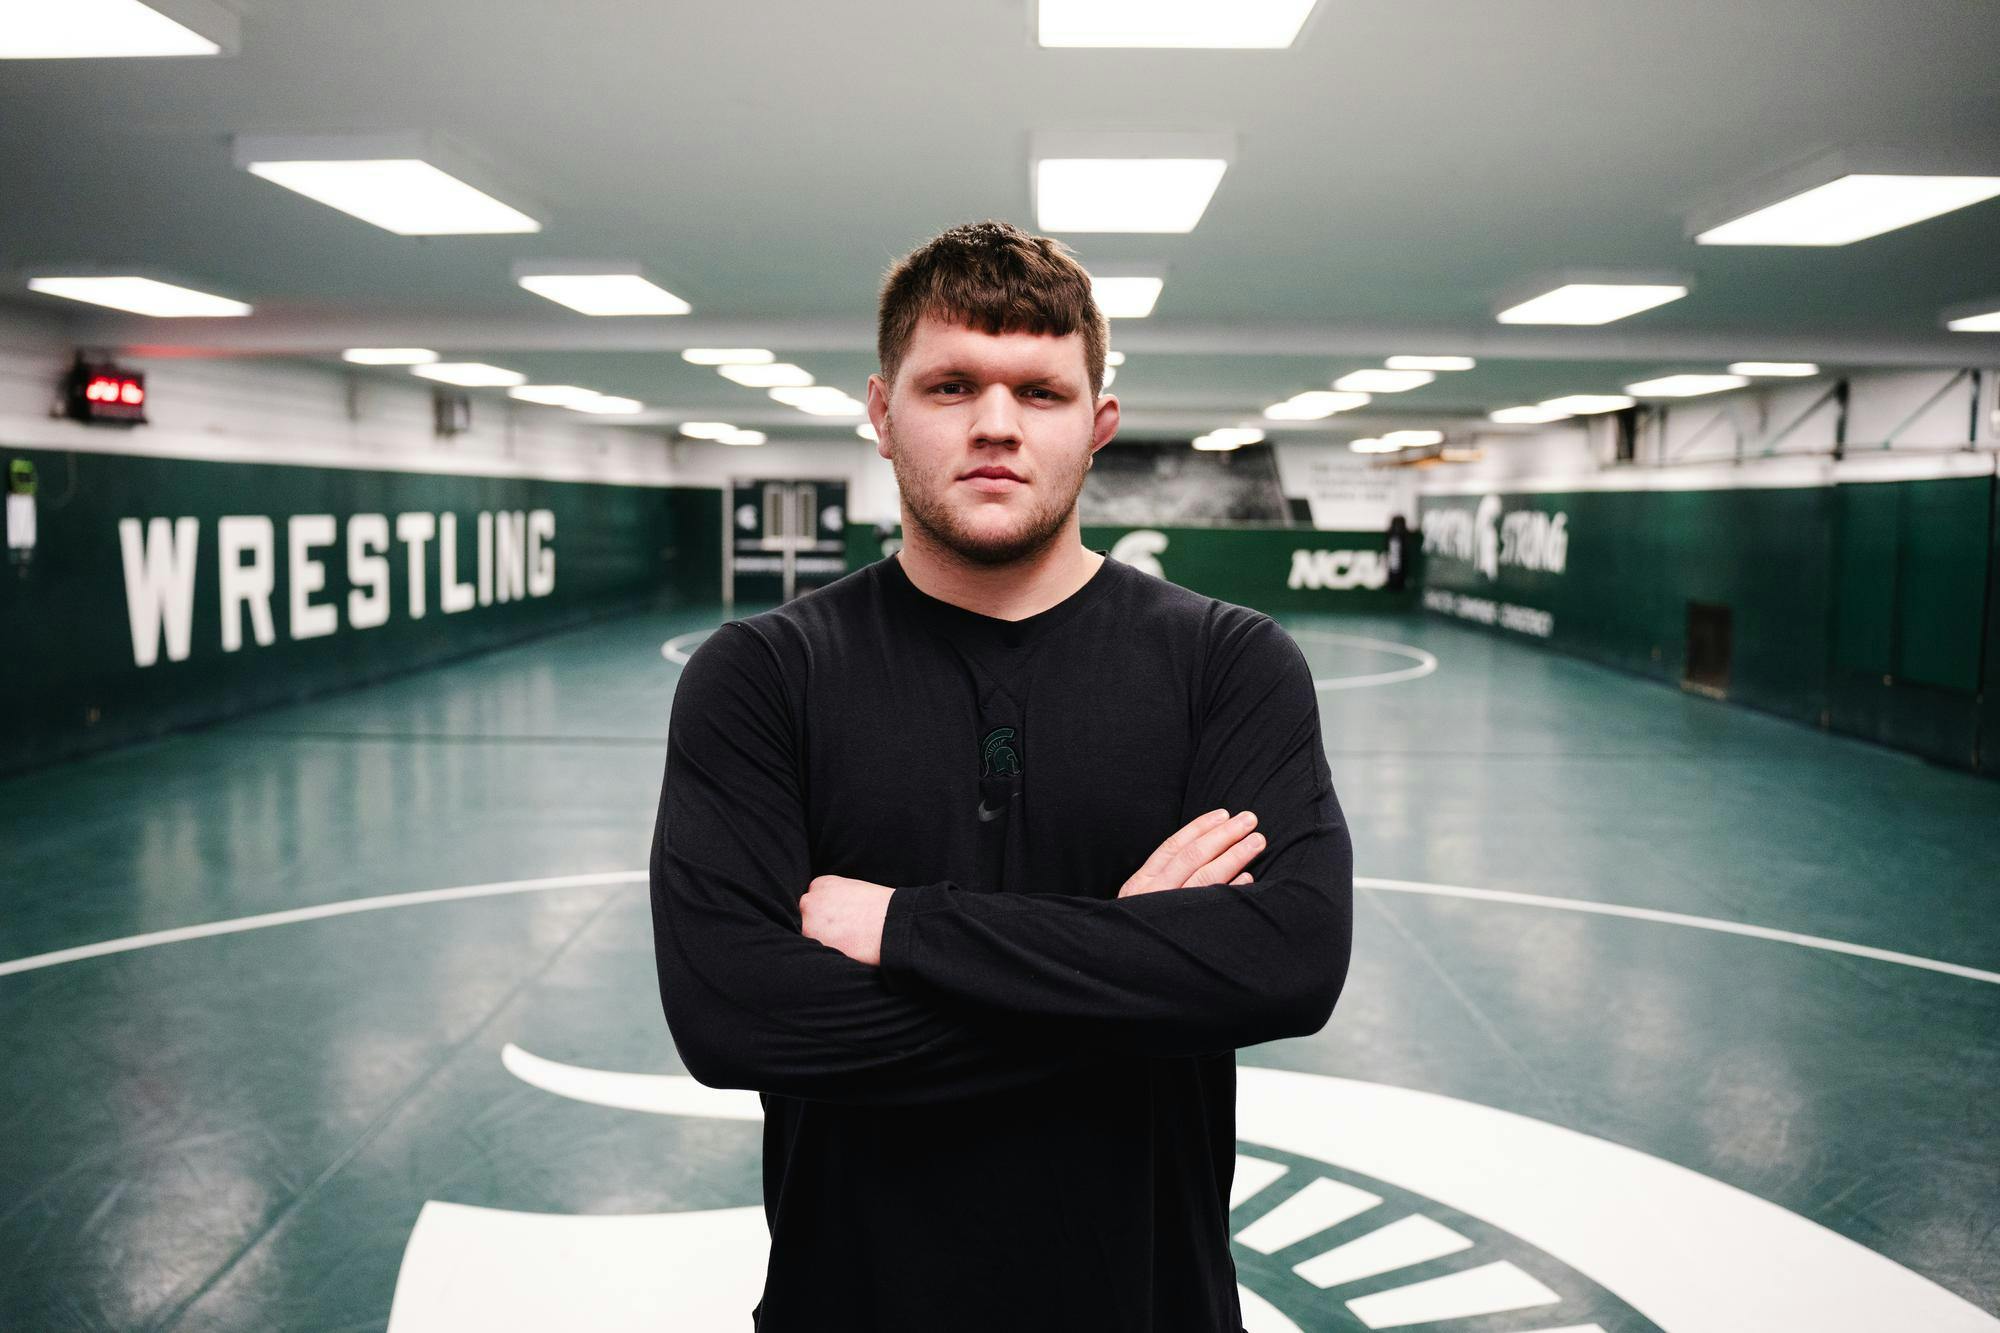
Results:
<point x="966" y="402"/>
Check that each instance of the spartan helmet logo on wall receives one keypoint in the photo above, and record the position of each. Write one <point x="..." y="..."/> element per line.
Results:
<point x="997" y="757"/>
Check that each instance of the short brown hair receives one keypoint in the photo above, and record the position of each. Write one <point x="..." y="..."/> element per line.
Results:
<point x="997" y="278"/>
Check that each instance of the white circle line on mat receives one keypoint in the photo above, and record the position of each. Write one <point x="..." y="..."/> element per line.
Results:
<point x="611" y="878"/>
<point x="679" y="648"/>
<point x="1425" y="662"/>
<point x="296" y="914"/>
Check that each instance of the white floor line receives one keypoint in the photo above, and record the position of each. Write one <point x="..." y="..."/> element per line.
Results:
<point x="679" y="649"/>
<point x="286" y="918"/>
<point x="1321" y="1204"/>
<point x="1675" y="919"/>
<point x="1425" y="663"/>
<point x="619" y="877"/>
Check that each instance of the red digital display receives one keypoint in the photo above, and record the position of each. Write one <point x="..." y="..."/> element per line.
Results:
<point x="106" y="395"/>
<point x="115" y="389"/>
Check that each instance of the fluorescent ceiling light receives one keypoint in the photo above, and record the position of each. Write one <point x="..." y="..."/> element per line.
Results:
<point x="1236" y="436"/>
<point x="1166" y="194"/>
<point x="1266" y="24"/>
<point x="69" y="29"/>
<point x="606" y="405"/>
<point x="1591" y="303"/>
<point x="552" y="395"/>
<point x="1984" y="322"/>
<point x="1585" y="404"/>
<point x="470" y="374"/>
<point x="1369" y="446"/>
<point x="745" y="437"/>
<point x="1777" y="369"/>
<point x="389" y="356"/>
<point x="1126" y="298"/>
<point x="411" y="184"/>
<point x="783" y="374"/>
<point x="1413" y="439"/>
<point x="728" y="356"/>
<point x="821" y="400"/>
<point x="1114" y="358"/>
<point x="140" y="296"/>
<point x="605" y="293"/>
<point x="1315" y="405"/>
<point x="1852" y="208"/>
<point x="1526" y="416"/>
<point x="1384" y="381"/>
<point x="1110" y="375"/>
<point x="706" y="430"/>
<point x="1430" y="363"/>
<point x="1686" y="386"/>
<point x="866" y="430"/>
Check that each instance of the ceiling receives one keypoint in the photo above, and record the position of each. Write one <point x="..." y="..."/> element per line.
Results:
<point x="1396" y="172"/>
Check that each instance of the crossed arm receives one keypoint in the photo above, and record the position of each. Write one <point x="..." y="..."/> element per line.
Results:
<point x="969" y="992"/>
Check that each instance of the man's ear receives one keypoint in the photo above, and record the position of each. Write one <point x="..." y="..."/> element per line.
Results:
<point x="1105" y="424"/>
<point x="878" y="412"/>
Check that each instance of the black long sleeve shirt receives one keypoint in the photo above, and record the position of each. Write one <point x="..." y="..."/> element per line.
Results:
<point x="1026" y="1115"/>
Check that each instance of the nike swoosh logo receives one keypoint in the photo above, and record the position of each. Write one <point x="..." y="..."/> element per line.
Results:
<point x="988" y="816"/>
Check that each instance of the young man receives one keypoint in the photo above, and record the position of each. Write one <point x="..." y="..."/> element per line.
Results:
<point x="909" y="877"/>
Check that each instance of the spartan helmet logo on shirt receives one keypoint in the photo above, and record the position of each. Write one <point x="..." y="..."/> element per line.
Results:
<point x="997" y="756"/>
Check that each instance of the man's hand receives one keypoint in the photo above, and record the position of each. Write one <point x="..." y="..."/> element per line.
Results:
<point x="1211" y="849"/>
<point x="846" y="914"/>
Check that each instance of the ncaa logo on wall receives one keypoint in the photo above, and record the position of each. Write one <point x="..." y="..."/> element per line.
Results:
<point x="1354" y="1206"/>
<point x="1333" y="570"/>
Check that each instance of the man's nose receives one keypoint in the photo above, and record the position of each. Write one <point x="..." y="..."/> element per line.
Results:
<point x="998" y="419"/>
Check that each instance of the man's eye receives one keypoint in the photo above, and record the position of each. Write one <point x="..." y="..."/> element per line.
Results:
<point x="953" y="387"/>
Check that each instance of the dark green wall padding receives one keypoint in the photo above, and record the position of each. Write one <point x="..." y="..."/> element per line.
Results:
<point x="1247" y="566"/>
<point x="69" y="662"/>
<point x="1865" y="608"/>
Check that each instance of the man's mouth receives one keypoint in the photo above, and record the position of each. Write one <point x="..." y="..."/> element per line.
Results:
<point x="991" y="473"/>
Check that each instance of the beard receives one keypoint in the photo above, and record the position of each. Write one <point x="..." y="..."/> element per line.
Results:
<point x="1052" y="500"/>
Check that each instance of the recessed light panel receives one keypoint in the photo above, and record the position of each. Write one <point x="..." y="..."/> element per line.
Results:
<point x="1685" y="386"/>
<point x="552" y="395"/>
<point x="470" y="375"/>
<point x="389" y="356"/>
<point x="607" y="405"/>
<point x="820" y="400"/>
<point x="1166" y="195"/>
<point x="1585" y="404"/>
<point x="1430" y="363"/>
<point x="1852" y="208"/>
<point x="728" y="356"/>
<point x="1774" y="369"/>
<point x="1315" y="405"/>
<point x="1526" y="416"/>
<point x="1413" y="439"/>
<point x="781" y="374"/>
<point x="1983" y="322"/>
<point x="866" y="430"/>
<point x="606" y="293"/>
<point x="402" y="195"/>
<point x="1126" y="298"/>
<point x="1266" y="24"/>
<point x="1591" y="303"/>
<point x="1384" y="381"/>
<point x="139" y="296"/>
<point x="706" y="430"/>
<point x="95" y="29"/>
<point x="745" y="437"/>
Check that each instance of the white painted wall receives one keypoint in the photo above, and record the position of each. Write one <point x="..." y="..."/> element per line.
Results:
<point x="304" y="413"/>
<point x="1929" y="420"/>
